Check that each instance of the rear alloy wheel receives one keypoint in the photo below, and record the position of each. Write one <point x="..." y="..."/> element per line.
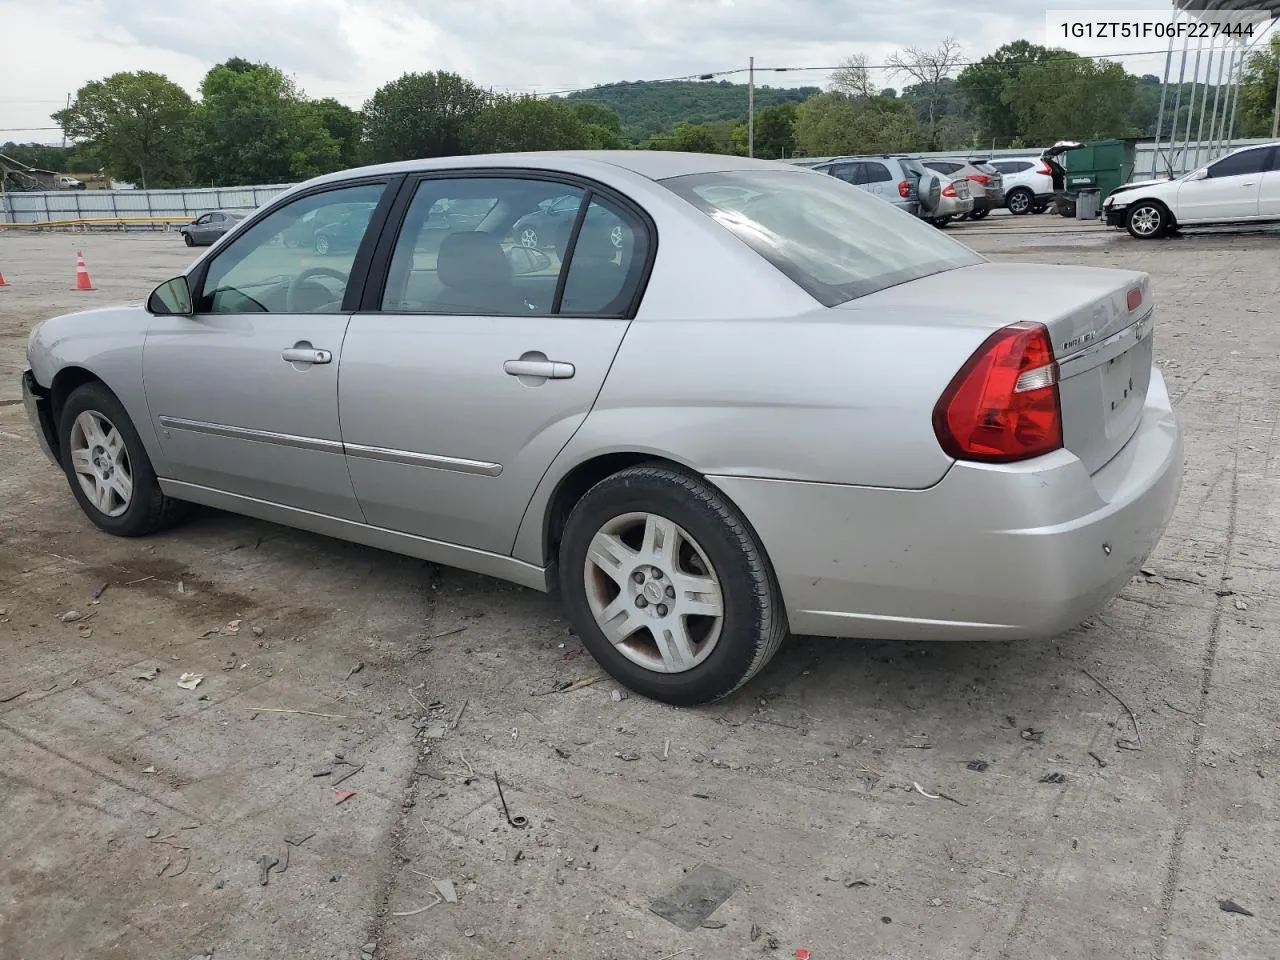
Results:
<point x="321" y="244"/>
<point x="108" y="468"/>
<point x="940" y="222"/>
<point x="1147" y="221"/>
<point x="1019" y="201"/>
<point x="668" y="587"/>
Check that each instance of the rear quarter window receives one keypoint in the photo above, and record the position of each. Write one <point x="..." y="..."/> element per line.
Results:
<point x="833" y="240"/>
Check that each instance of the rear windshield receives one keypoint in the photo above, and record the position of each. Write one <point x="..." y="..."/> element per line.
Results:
<point x="832" y="239"/>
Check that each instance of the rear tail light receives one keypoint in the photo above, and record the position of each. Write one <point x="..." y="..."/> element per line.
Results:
<point x="1045" y="170"/>
<point x="981" y="178"/>
<point x="1135" y="299"/>
<point x="1003" y="405"/>
<point x="949" y="190"/>
<point x="904" y="189"/>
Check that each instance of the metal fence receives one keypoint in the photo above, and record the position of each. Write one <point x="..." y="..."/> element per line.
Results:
<point x="63" y="205"/>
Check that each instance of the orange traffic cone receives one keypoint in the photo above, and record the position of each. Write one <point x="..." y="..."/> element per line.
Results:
<point x="82" y="274"/>
<point x="3" y="281"/>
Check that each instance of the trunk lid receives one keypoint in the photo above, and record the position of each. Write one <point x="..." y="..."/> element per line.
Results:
<point x="1103" y="348"/>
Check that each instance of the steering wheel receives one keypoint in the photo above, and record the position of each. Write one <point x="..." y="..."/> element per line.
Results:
<point x="295" y="287"/>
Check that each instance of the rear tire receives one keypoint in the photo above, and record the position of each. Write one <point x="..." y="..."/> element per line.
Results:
<point x="979" y="214"/>
<point x="643" y="532"/>
<point x="1019" y="200"/>
<point x="108" y="468"/>
<point x="940" y="222"/>
<point x="186" y="237"/>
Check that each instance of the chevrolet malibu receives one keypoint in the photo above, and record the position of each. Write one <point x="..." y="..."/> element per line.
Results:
<point x="742" y="399"/>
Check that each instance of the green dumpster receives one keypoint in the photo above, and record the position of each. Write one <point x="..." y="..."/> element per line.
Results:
<point x="1100" y="165"/>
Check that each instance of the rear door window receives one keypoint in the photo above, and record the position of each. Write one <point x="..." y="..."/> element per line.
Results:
<point x="835" y="244"/>
<point x="1241" y="164"/>
<point x="874" y="172"/>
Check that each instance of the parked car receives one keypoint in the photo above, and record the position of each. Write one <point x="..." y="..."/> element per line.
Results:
<point x="986" y="183"/>
<point x="1028" y="183"/>
<point x="342" y="233"/>
<point x="1242" y="187"/>
<point x="548" y="226"/>
<point x="803" y="411"/>
<point x="208" y="227"/>
<point x="905" y="183"/>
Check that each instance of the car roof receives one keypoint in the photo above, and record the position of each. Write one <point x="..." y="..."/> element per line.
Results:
<point x="652" y="164"/>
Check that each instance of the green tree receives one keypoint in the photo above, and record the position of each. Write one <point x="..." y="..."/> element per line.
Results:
<point x="719" y="137"/>
<point x="982" y="86"/>
<point x="1071" y="97"/>
<point x="255" y="126"/>
<point x="1257" y="111"/>
<point x="510" y="124"/>
<point x="604" y="126"/>
<point x="421" y="115"/>
<point x="831" y="124"/>
<point x="776" y="131"/>
<point x="344" y="125"/>
<point x="137" y="123"/>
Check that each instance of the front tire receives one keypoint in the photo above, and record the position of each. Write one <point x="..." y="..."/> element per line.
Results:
<point x="668" y="587"/>
<point x="1019" y="201"/>
<point x="187" y="239"/>
<point x="1147" y="220"/>
<point x="108" y="468"/>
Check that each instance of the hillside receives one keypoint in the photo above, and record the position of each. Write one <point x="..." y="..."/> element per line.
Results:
<point x="649" y="108"/>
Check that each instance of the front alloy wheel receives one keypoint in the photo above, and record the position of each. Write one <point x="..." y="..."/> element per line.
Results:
<point x="101" y="463"/>
<point x="1146" y="221"/>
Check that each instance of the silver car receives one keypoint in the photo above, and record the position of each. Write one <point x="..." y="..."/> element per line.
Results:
<point x="778" y="405"/>
<point x="208" y="227"/>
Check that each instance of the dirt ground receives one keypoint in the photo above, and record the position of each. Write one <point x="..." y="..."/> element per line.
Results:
<point x="136" y="813"/>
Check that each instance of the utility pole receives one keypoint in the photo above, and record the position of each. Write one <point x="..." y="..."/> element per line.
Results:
<point x="1275" y="119"/>
<point x="751" y="107"/>
<point x="64" y="129"/>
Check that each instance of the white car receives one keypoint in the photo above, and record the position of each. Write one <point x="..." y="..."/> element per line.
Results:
<point x="1242" y="187"/>
<point x="1028" y="183"/>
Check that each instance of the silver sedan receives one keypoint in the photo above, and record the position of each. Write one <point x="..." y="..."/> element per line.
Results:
<point x="735" y="399"/>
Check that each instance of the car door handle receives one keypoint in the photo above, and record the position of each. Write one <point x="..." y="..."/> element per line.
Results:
<point x="542" y="369"/>
<point x="305" y="355"/>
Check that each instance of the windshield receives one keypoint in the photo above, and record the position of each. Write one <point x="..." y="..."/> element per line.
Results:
<point x="832" y="239"/>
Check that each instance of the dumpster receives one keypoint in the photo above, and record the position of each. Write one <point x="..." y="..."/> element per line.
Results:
<point x="1100" y="164"/>
<point x="1087" y="203"/>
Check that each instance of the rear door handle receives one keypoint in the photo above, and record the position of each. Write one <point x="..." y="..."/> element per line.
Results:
<point x="542" y="369"/>
<point x="307" y="354"/>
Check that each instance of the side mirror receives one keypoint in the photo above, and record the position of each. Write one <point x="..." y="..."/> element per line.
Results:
<point x="171" y="299"/>
<point x="1201" y="174"/>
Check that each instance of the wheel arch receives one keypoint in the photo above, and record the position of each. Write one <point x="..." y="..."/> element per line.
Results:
<point x="65" y="382"/>
<point x="1159" y="202"/>
<point x="583" y="476"/>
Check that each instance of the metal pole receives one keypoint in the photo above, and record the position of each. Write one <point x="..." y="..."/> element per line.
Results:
<point x="1213" y="116"/>
<point x="1226" y="99"/>
<point x="1234" y="93"/>
<point x="751" y="107"/>
<point x="1275" y="119"/>
<point x="1204" y="104"/>
<point x="1191" y="107"/>
<point x="1177" y="103"/>
<point x="1164" y="90"/>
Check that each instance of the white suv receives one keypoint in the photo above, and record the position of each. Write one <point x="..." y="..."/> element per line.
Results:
<point x="1242" y="187"/>
<point x="1028" y="183"/>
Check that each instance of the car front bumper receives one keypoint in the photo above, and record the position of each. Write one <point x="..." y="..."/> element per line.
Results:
<point x="40" y="413"/>
<point x="1114" y="216"/>
<point x="1016" y="551"/>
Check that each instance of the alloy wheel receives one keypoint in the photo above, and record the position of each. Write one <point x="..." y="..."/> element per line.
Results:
<point x="100" y="460"/>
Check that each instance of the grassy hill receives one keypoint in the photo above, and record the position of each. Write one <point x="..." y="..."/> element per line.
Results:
<point x="649" y="108"/>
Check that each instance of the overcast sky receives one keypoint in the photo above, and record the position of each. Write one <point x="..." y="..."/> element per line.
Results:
<point x="347" y="48"/>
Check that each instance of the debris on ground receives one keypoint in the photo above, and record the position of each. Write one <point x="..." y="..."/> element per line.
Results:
<point x="232" y="628"/>
<point x="1098" y="759"/>
<point x="446" y="889"/>
<point x="1054" y="777"/>
<point x="298" y="839"/>
<point x="977" y="766"/>
<point x="857" y="883"/>
<point x="1123" y="743"/>
<point x="627" y="756"/>
<point x="189" y="681"/>
<point x="755" y="932"/>
<point x="71" y="616"/>
<point x="1230" y="906"/>
<point x="618" y="695"/>
<point x="265" y="863"/>
<point x="1033" y="735"/>
<point x="342" y="761"/>
<point x="340" y="795"/>
<point x="692" y="901"/>
<point x="5" y="698"/>
<point x="355" y="668"/>
<point x="153" y="833"/>
<point x="1241" y="604"/>
<point x="100" y="591"/>
<point x="802" y="953"/>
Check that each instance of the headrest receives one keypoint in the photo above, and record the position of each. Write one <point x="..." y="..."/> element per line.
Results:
<point x="472" y="260"/>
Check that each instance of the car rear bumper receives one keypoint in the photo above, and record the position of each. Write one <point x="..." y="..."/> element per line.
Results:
<point x="1020" y="551"/>
<point x="40" y="413"/>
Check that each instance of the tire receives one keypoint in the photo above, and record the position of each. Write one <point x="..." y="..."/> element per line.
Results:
<point x="712" y="542"/>
<point x="186" y="237"/>
<point x="979" y="214"/>
<point x="940" y="222"/>
<point x="1020" y="201"/>
<point x="1039" y="208"/>
<point x="146" y="509"/>
<point x="929" y="192"/>
<point x="1147" y="220"/>
<point x="528" y="237"/>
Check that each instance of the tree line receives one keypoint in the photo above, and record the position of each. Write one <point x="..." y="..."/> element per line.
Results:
<point x="251" y="124"/>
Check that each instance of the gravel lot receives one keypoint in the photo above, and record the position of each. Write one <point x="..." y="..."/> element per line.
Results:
<point x="136" y="812"/>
